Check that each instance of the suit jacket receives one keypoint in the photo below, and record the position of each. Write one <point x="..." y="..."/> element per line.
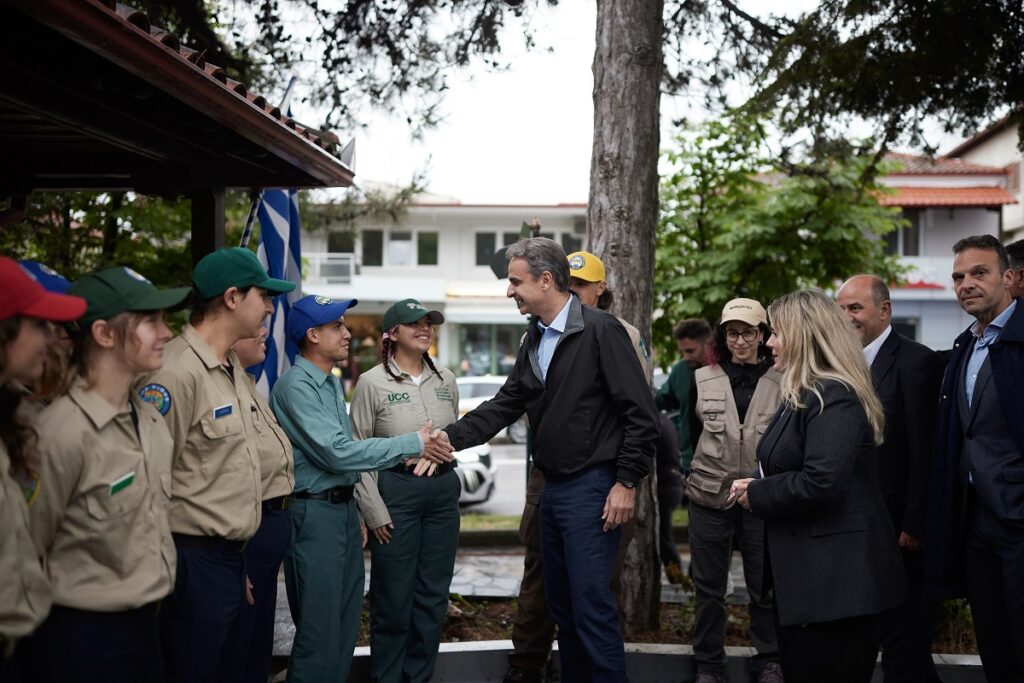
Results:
<point x="831" y="545"/>
<point x="907" y="378"/>
<point x="1000" y="479"/>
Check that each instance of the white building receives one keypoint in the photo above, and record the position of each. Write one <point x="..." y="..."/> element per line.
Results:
<point x="944" y="200"/>
<point x="439" y="253"/>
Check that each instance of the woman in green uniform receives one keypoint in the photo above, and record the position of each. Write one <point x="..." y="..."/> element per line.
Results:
<point x="414" y="520"/>
<point x="25" y="596"/>
<point x="100" y="522"/>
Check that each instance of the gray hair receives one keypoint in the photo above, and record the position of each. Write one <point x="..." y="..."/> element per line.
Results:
<point x="543" y="255"/>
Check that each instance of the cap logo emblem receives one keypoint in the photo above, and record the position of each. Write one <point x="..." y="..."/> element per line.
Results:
<point x="136" y="276"/>
<point x="416" y="307"/>
<point x="323" y="300"/>
<point x="577" y="262"/>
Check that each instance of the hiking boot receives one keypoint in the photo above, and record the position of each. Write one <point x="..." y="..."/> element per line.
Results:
<point x="771" y="673"/>
<point x="709" y="677"/>
<point x="517" y="675"/>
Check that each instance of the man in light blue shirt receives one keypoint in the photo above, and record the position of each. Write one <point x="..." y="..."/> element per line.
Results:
<point x="324" y="564"/>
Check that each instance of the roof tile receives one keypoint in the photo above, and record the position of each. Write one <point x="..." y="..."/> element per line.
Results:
<point x="919" y="197"/>
<point x="915" y="164"/>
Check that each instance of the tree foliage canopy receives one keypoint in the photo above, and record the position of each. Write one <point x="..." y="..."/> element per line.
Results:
<point x="735" y="222"/>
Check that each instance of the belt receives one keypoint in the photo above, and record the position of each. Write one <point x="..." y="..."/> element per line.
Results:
<point x="335" y="496"/>
<point x="275" y="504"/>
<point x="209" y="543"/>
<point x="443" y="468"/>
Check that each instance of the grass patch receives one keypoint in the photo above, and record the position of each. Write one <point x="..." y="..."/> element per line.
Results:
<point x="680" y="517"/>
<point x="474" y="521"/>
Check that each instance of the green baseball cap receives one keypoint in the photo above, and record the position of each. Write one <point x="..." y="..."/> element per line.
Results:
<point x="218" y="272"/>
<point x="119" y="289"/>
<point x="408" y="311"/>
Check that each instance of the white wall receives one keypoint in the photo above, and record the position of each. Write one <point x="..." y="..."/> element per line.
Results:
<point x="942" y="227"/>
<point x="1001" y="150"/>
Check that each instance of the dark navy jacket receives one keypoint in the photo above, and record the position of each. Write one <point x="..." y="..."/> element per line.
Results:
<point x="944" y="573"/>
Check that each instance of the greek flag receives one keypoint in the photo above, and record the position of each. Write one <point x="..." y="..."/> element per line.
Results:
<point x="280" y="254"/>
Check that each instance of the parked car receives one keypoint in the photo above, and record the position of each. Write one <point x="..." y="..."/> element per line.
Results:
<point x="475" y="390"/>
<point x="477" y="473"/>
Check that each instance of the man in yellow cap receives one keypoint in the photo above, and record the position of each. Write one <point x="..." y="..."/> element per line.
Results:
<point x="533" y="629"/>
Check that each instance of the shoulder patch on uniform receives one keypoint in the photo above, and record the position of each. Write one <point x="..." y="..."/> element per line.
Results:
<point x="156" y="395"/>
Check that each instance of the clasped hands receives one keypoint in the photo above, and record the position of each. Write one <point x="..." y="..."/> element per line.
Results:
<point x="437" y="450"/>
<point x="738" y="492"/>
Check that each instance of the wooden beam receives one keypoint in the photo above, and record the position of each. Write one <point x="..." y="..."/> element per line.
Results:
<point x="207" y="222"/>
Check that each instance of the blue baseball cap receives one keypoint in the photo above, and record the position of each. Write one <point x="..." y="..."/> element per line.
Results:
<point x="313" y="310"/>
<point x="51" y="280"/>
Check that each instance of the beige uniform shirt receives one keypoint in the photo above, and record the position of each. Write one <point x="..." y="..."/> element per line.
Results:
<point x="383" y="406"/>
<point x="25" y="595"/>
<point x="643" y="354"/>
<point x="277" y="466"/>
<point x="100" y="521"/>
<point x="216" y="482"/>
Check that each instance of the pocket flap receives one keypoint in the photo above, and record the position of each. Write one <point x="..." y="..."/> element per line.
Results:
<point x="704" y="482"/>
<point x="846" y="524"/>
<point x="715" y="426"/>
<point x="218" y="428"/>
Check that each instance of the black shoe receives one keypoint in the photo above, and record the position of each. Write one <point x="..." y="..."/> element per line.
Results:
<point x="517" y="675"/>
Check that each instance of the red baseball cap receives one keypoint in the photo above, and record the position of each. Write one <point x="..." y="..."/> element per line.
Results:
<point x="20" y="294"/>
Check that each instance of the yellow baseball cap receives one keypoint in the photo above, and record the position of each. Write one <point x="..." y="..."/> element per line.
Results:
<point x="586" y="266"/>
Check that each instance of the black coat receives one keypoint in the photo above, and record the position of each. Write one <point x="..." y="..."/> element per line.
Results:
<point x="831" y="545"/>
<point x="907" y="377"/>
<point x="1004" y="477"/>
<point x="595" y="407"/>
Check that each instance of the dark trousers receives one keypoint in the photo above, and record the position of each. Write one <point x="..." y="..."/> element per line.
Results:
<point x="711" y="541"/>
<point x="841" y="651"/>
<point x="263" y="557"/>
<point x="994" y="573"/>
<point x="410" y="577"/>
<point x="203" y="619"/>
<point x="324" y="577"/>
<point x="94" y="647"/>
<point x="533" y="629"/>
<point x="907" y="640"/>
<point x="578" y="560"/>
<point x="669" y="498"/>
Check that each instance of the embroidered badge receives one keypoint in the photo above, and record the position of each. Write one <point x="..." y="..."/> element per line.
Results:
<point x="443" y="394"/>
<point x="158" y="396"/>
<point x="577" y="262"/>
<point x="323" y="300"/>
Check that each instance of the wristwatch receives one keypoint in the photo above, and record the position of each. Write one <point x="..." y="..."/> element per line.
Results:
<point x="627" y="484"/>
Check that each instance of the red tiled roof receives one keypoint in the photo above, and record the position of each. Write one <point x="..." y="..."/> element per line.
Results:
<point x="915" y="164"/>
<point x="947" y="196"/>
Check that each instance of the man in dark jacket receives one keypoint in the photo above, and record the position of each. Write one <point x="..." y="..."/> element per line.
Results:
<point x="594" y="433"/>
<point x="906" y="376"/>
<point x="975" y="544"/>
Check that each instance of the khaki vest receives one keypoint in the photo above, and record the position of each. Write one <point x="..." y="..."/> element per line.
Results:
<point x="727" y="450"/>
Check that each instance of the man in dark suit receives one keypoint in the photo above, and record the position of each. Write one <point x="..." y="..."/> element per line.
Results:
<point x="975" y="539"/>
<point x="1015" y="250"/>
<point x="907" y="376"/>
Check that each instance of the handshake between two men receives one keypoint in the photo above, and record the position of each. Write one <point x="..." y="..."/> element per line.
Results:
<point x="437" y="450"/>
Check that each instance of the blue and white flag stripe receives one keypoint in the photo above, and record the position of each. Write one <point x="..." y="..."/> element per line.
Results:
<point x="281" y="255"/>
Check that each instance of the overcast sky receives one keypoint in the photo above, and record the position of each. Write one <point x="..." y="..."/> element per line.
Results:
<point x="517" y="137"/>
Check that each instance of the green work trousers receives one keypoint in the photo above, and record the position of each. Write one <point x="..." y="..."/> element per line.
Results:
<point x="410" y="576"/>
<point x="324" y="576"/>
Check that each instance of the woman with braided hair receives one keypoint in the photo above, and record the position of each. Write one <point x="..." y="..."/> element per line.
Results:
<point x="412" y="509"/>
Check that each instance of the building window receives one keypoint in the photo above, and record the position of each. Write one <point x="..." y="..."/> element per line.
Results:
<point x="509" y="238"/>
<point x="571" y="243"/>
<point x="484" y="248"/>
<point x="373" y="247"/>
<point x="426" y="248"/>
<point x="339" y="242"/>
<point x="905" y="241"/>
<point x="400" y="249"/>
<point x="906" y="326"/>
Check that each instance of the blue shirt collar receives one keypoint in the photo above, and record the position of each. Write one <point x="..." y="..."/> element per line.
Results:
<point x="993" y="329"/>
<point x="558" y="324"/>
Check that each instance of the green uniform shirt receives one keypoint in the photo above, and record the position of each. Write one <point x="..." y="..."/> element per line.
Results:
<point x="674" y="394"/>
<point x="384" y="406"/>
<point x="310" y="407"/>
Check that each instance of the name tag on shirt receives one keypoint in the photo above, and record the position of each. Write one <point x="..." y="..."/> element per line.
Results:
<point x="121" y="483"/>
<point x="222" y="411"/>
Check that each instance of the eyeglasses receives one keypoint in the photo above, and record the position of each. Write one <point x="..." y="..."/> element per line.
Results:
<point x="749" y="335"/>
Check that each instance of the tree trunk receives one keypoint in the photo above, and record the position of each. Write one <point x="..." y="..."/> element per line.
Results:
<point x="622" y="216"/>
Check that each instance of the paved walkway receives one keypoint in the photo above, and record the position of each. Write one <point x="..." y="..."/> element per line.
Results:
<point x="493" y="574"/>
